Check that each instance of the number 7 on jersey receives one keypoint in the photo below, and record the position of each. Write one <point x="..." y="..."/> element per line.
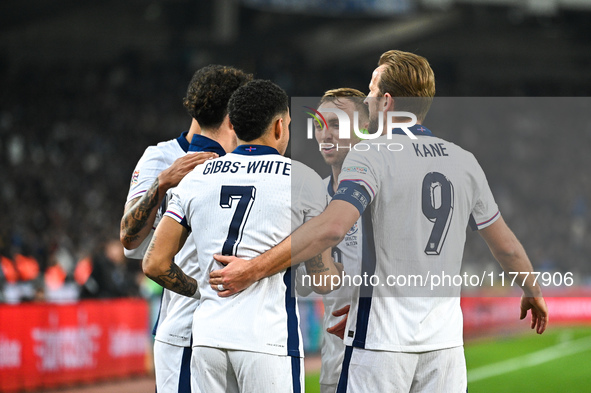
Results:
<point x="245" y="196"/>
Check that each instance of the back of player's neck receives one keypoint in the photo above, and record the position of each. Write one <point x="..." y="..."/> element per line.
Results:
<point x="213" y="133"/>
<point x="193" y="130"/>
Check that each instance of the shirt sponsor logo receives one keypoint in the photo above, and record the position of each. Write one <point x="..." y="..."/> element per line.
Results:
<point x="358" y="169"/>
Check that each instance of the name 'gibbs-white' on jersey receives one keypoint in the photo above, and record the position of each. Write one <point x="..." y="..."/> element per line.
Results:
<point x="175" y="317"/>
<point x="346" y="252"/>
<point x="239" y="205"/>
<point x="421" y="200"/>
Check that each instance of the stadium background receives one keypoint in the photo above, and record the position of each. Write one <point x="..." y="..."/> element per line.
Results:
<point x="87" y="86"/>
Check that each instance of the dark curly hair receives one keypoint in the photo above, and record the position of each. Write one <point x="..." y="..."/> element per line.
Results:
<point x="209" y="91"/>
<point x="253" y="107"/>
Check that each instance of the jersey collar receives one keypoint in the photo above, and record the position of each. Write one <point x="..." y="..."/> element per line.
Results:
<point x="255" y="150"/>
<point x="417" y="129"/>
<point x="203" y="143"/>
<point x="182" y="140"/>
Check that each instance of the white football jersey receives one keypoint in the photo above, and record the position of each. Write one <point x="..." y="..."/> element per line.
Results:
<point x="346" y="252"/>
<point x="154" y="160"/>
<point x="241" y="204"/>
<point x="420" y="199"/>
<point x="307" y="194"/>
<point x="175" y="317"/>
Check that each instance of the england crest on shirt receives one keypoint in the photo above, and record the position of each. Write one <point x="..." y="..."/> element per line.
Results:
<point x="351" y="236"/>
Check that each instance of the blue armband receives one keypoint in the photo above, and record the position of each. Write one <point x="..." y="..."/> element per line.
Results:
<point x="353" y="193"/>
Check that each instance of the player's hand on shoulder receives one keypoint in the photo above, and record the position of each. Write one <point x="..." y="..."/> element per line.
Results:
<point x="172" y="176"/>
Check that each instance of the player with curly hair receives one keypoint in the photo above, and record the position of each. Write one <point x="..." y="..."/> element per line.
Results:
<point x="159" y="170"/>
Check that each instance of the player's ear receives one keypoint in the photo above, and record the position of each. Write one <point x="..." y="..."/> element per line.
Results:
<point x="278" y="128"/>
<point x="388" y="103"/>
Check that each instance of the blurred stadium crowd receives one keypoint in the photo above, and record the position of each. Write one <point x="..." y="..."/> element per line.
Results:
<point x="69" y="140"/>
<point x="531" y="150"/>
<point x="71" y="133"/>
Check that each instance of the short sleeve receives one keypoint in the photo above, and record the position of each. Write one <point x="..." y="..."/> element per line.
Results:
<point x="358" y="181"/>
<point x="146" y="171"/>
<point x="361" y="168"/>
<point x="176" y="209"/>
<point x="485" y="211"/>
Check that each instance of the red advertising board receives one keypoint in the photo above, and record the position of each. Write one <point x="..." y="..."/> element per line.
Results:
<point x="485" y="314"/>
<point x="48" y="345"/>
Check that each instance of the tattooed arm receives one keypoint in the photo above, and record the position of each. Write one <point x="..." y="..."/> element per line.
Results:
<point x="140" y="213"/>
<point x="321" y="269"/>
<point x="139" y="217"/>
<point x="158" y="263"/>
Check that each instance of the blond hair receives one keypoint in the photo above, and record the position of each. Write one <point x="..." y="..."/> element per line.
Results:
<point x="408" y="75"/>
<point x="355" y="95"/>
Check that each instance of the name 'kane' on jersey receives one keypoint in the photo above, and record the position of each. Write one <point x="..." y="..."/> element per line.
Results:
<point x="419" y="202"/>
